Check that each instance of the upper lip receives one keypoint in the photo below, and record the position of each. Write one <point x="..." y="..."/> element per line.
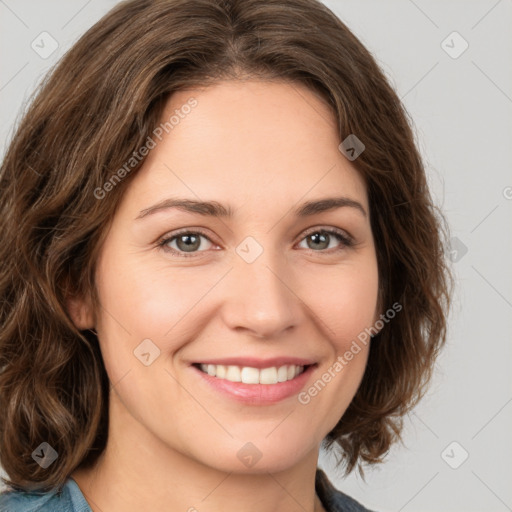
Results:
<point x="254" y="362"/>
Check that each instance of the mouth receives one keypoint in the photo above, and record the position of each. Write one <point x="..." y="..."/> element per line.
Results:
<point x="251" y="375"/>
<point x="255" y="382"/>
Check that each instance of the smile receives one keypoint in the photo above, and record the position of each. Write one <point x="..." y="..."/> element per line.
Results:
<point x="250" y="375"/>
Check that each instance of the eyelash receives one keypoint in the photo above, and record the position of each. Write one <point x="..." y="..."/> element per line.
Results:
<point x="341" y="236"/>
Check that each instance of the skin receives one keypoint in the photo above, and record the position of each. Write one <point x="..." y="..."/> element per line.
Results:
<point x="263" y="148"/>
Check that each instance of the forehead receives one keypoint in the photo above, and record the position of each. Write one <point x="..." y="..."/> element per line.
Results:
<point x="244" y="142"/>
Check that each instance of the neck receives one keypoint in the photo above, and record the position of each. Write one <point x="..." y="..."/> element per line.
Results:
<point x="138" y="472"/>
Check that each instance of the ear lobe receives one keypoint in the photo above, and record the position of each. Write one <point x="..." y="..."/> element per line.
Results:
<point x="81" y="313"/>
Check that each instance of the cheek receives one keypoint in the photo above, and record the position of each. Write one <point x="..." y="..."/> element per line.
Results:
<point x="346" y="304"/>
<point x="150" y="299"/>
<point x="144" y="301"/>
<point x="345" y="300"/>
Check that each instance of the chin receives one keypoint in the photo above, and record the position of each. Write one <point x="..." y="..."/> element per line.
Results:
<point x="260" y="455"/>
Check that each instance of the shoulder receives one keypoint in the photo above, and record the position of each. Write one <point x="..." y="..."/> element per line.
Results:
<point x="334" y="500"/>
<point x="69" y="499"/>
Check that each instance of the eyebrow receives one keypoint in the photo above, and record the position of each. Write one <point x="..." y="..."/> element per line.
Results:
<point x="216" y="209"/>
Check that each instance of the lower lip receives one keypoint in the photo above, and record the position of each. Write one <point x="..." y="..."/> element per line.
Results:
<point x="258" y="394"/>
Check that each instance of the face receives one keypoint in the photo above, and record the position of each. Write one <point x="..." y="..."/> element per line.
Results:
<point x="221" y="325"/>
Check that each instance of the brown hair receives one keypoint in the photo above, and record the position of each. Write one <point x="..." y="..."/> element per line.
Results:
<point x="93" y="112"/>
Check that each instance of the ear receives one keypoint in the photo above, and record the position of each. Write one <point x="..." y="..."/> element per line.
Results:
<point x="81" y="312"/>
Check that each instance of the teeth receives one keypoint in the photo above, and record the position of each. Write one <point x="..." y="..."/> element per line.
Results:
<point x="249" y="375"/>
<point x="233" y="374"/>
<point x="268" y="375"/>
<point x="221" y="371"/>
<point x="282" y="374"/>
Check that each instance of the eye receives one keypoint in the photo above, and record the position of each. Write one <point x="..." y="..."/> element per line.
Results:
<point x="187" y="243"/>
<point x="184" y="242"/>
<point x="320" y="239"/>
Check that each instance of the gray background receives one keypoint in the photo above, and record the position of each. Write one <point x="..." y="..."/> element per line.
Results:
<point x="462" y="112"/>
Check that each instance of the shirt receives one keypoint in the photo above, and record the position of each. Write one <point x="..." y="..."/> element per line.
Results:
<point x="71" y="499"/>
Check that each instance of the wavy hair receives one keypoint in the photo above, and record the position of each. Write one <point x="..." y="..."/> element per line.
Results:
<point x="98" y="107"/>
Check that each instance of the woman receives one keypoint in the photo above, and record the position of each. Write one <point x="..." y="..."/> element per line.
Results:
<point x="219" y="252"/>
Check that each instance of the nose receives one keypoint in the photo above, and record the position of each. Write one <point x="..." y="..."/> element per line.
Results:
<point x="259" y="297"/>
